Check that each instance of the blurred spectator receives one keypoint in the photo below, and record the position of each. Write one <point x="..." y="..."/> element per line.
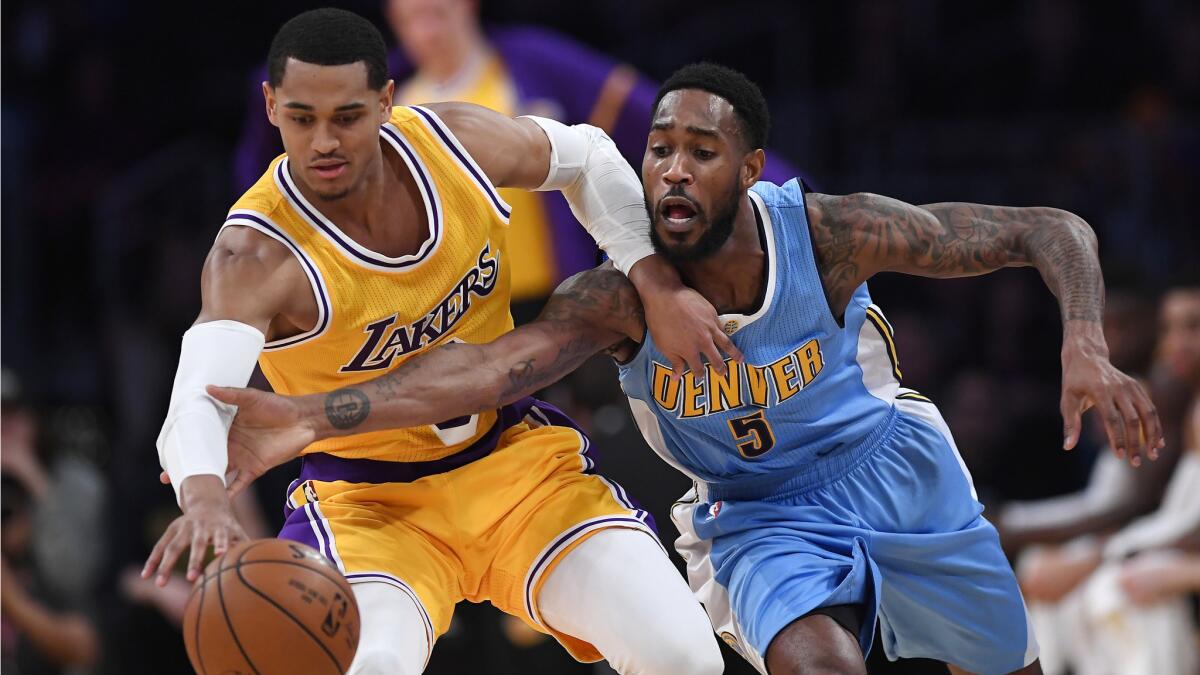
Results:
<point x="1091" y="600"/>
<point x="445" y="55"/>
<point x="49" y="550"/>
<point x="1115" y="493"/>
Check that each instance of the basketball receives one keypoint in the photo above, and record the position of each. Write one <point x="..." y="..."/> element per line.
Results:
<point x="271" y="606"/>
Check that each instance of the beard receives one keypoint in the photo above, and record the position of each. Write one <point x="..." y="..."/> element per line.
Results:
<point x="333" y="196"/>
<point x="719" y="228"/>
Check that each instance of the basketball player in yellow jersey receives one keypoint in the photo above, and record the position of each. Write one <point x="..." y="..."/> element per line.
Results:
<point x="377" y="236"/>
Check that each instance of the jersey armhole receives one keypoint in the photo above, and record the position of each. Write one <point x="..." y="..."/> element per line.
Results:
<point x="464" y="160"/>
<point x="263" y="224"/>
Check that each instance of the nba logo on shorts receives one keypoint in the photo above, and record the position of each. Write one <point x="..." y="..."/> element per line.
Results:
<point x="714" y="510"/>
<point x="310" y="492"/>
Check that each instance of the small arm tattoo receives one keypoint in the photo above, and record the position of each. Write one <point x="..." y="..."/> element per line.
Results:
<point x="347" y="408"/>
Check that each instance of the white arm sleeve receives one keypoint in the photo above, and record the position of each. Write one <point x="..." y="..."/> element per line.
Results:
<point x="194" y="436"/>
<point x="602" y="189"/>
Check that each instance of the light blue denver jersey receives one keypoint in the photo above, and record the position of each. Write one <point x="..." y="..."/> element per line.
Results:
<point x="810" y="395"/>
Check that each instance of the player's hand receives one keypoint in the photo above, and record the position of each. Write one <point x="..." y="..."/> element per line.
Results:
<point x="268" y="430"/>
<point x="1048" y="575"/>
<point x="686" y="330"/>
<point x="1089" y="380"/>
<point x="1157" y="575"/>
<point x="207" y="519"/>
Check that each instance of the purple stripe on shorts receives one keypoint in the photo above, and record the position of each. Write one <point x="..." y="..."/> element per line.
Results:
<point x="298" y="528"/>
<point x="324" y="467"/>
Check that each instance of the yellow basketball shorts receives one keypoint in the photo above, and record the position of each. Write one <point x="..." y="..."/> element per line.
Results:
<point x="487" y="523"/>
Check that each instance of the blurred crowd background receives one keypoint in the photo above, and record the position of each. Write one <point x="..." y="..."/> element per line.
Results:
<point x="129" y="127"/>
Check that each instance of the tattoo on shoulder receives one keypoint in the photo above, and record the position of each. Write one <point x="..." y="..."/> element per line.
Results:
<point x="347" y="408"/>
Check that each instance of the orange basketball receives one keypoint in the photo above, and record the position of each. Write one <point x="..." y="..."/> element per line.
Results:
<point x="271" y="607"/>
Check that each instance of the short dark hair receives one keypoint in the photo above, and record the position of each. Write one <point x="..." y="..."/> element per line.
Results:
<point x="329" y="37"/>
<point x="745" y="97"/>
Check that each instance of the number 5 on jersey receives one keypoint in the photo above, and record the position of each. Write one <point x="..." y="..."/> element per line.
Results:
<point x="752" y="434"/>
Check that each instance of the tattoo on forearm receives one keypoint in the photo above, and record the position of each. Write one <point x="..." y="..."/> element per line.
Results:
<point x="579" y="315"/>
<point x="1067" y="261"/>
<point x="347" y="408"/>
<point x="959" y="240"/>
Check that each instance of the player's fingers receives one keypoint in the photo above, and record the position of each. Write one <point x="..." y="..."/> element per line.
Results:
<point x="239" y="482"/>
<point x="727" y="347"/>
<point x="694" y="361"/>
<point x="200" y="537"/>
<point x="1132" y="426"/>
<point x="714" y="358"/>
<point x="220" y="540"/>
<point x="179" y="541"/>
<point x="677" y="367"/>
<point x="231" y="395"/>
<point x="1151" y="424"/>
<point x="1113" y="426"/>
<point x="1071" y="413"/>
<point x="164" y="478"/>
<point x="156" y="554"/>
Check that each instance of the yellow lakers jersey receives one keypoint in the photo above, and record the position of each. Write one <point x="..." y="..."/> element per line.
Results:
<point x="376" y="312"/>
<point x="531" y="237"/>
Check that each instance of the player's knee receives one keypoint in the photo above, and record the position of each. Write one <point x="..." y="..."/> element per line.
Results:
<point x="693" y="654"/>
<point x="382" y="661"/>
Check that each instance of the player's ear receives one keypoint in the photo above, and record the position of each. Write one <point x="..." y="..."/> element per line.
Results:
<point x="386" y="96"/>
<point x="752" y="167"/>
<point x="269" y="101"/>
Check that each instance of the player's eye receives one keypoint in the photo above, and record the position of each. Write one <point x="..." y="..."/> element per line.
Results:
<point x="347" y="120"/>
<point x="704" y="155"/>
<point x="660" y="150"/>
<point x="302" y="121"/>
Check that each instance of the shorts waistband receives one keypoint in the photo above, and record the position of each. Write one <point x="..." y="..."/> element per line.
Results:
<point x="325" y="467"/>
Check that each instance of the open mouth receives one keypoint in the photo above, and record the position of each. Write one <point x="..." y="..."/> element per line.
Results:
<point x="678" y="213"/>
<point x="330" y="171"/>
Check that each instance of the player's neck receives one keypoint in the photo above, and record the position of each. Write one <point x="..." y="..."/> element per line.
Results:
<point x="733" y="278"/>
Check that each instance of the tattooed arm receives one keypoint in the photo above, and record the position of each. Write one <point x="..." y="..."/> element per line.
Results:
<point x="856" y="236"/>
<point x="593" y="311"/>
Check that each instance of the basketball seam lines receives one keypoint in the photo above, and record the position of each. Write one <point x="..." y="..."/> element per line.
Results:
<point x="229" y="624"/>
<point x="264" y="596"/>
<point x="199" y="614"/>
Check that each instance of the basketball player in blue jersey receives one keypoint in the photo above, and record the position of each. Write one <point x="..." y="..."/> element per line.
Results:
<point x="827" y="496"/>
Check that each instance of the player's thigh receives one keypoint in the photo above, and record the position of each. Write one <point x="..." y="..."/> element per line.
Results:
<point x="759" y="567"/>
<point x="374" y="535"/>
<point x="952" y="596"/>
<point x="619" y="592"/>
<point x="815" y="643"/>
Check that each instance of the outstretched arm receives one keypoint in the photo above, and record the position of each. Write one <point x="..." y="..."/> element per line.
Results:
<point x="606" y="197"/>
<point x="856" y="236"/>
<point x="593" y="311"/>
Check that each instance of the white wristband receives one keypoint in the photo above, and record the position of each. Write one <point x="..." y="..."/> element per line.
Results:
<point x="601" y="188"/>
<point x="195" y="434"/>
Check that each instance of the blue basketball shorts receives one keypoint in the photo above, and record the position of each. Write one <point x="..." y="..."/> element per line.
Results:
<point x="900" y="532"/>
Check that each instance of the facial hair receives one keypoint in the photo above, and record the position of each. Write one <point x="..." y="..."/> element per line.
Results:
<point x="720" y="227"/>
